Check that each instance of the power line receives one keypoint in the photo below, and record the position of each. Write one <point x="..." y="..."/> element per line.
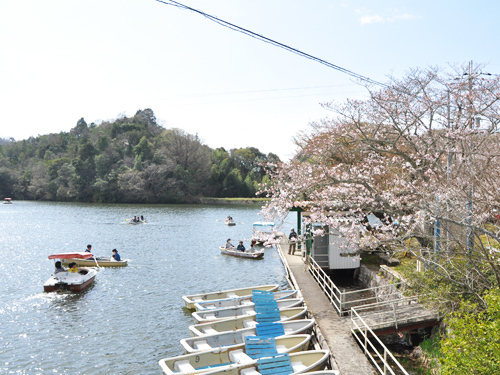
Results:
<point x="273" y="42"/>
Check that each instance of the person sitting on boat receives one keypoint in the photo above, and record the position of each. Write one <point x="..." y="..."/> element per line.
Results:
<point x="72" y="267"/>
<point x="229" y="245"/>
<point x="142" y="218"/>
<point x="59" y="267"/>
<point x="229" y="218"/>
<point x="88" y="249"/>
<point x="116" y="256"/>
<point x="240" y="246"/>
<point x="134" y="219"/>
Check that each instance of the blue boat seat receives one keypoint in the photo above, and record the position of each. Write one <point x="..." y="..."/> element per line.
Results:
<point x="258" y="347"/>
<point x="277" y="365"/>
<point x="270" y="329"/>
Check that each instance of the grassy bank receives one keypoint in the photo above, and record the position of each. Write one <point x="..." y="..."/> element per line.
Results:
<point x="259" y="201"/>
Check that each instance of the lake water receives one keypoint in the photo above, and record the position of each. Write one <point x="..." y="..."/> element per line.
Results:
<point x="131" y="317"/>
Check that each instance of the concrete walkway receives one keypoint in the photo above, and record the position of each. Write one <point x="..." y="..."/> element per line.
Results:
<point x="347" y="357"/>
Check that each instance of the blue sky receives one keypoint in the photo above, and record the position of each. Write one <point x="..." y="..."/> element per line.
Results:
<point x="61" y="60"/>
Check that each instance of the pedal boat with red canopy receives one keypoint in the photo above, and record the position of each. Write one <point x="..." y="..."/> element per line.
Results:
<point x="70" y="281"/>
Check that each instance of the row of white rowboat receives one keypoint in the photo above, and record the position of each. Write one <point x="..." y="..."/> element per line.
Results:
<point x="248" y="331"/>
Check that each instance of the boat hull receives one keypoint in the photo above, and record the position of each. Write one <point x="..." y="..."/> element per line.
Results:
<point x="68" y="282"/>
<point x="106" y="262"/>
<point x="239" y="301"/>
<point x="301" y="362"/>
<point x="227" y="325"/>
<point x="205" y="316"/>
<point x="256" y="254"/>
<point x="190" y="300"/>
<point x="229" y="339"/>
<point x="204" y="360"/>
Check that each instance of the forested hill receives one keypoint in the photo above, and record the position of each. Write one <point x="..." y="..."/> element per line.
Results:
<point x="130" y="159"/>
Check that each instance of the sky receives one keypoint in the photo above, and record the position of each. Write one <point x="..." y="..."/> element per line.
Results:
<point x="61" y="60"/>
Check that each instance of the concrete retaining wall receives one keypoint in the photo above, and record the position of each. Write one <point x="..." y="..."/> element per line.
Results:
<point x="385" y="278"/>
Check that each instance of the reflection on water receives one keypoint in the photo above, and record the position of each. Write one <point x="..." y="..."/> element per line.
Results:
<point x="131" y="317"/>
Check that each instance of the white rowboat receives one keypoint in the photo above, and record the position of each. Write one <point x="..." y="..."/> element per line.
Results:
<point x="210" y="342"/>
<point x="205" y="316"/>
<point x="190" y="300"/>
<point x="199" y="362"/>
<point x="240" y="301"/>
<point x="242" y="322"/>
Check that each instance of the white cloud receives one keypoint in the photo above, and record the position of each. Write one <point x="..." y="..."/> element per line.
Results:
<point x="394" y="16"/>
<point x="371" y="19"/>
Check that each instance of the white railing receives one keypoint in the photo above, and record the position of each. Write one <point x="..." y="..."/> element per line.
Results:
<point x="331" y="291"/>
<point x="386" y="361"/>
<point x="377" y="310"/>
<point x="342" y="300"/>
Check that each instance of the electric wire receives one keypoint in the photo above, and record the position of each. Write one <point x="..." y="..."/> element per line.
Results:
<point x="273" y="42"/>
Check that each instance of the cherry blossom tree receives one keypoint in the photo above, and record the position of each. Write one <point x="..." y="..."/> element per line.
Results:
<point x="421" y="153"/>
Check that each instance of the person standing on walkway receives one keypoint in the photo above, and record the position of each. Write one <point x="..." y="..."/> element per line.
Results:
<point x="292" y="241"/>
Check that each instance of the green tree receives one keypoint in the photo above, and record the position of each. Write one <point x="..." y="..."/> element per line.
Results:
<point x="473" y="344"/>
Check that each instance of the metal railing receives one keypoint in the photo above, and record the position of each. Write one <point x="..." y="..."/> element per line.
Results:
<point x="344" y="300"/>
<point x="386" y="361"/>
<point x="390" y="313"/>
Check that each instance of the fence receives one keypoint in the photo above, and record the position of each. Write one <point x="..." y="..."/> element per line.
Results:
<point x="344" y="300"/>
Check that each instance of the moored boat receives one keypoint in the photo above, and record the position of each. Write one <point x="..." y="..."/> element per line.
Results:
<point x="229" y="339"/>
<point x="293" y="363"/>
<point x="263" y="231"/>
<point x="191" y="299"/>
<point x="70" y="281"/>
<point x="240" y="301"/>
<point x="7" y="201"/>
<point x="203" y="361"/>
<point x="205" y="316"/>
<point x="251" y="253"/>
<point x="242" y="322"/>
<point x="101" y="262"/>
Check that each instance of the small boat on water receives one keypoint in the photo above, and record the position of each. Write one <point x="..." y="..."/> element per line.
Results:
<point x="7" y="201"/>
<point x="203" y="361"/>
<point x="263" y="231"/>
<point x="205" y="316"/>
<point x="229" y="221"/>
<point x="242" y="322"/>
<point x="70" y="281"/>
<point x="229" y="339"/>
<point x="191" y="299"/>
<point x="246" y="300"/>
<point x="292" y="363"/>
<point x="101" y="262"/>
<point x="251" y="253"/>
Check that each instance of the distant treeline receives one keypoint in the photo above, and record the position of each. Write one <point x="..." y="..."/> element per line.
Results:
<point x="131" y="159"/>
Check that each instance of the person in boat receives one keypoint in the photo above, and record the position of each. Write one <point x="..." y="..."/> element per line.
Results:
<point x="59" y="267"/>
<point x="134" y="219"/>
<point x="88" y="249"/>
<point x="292" y="240"/>
<point x="240" y="246"/>
<point x="229" y="218"/>
<point x="115" y="255"/>
<point x="229" y="245"/>
<point x="142" y="218"/>
<point x="73" y="268"/>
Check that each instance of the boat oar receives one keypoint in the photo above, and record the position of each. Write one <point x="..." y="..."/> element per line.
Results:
<point x="97" y="264"/>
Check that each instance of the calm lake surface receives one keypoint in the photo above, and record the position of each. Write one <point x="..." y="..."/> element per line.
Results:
<point x="131" y="317"/>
